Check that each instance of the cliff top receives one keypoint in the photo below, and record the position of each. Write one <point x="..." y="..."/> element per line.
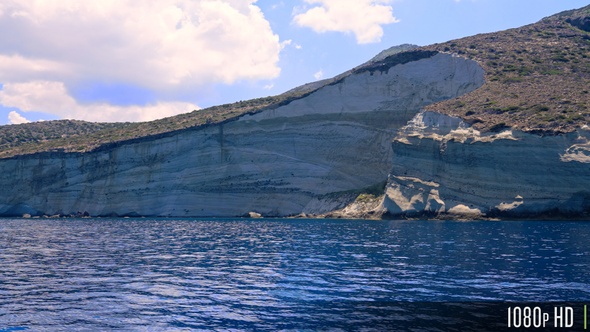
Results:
<point x="537" y="76"/>
<point x="537" y="80"/>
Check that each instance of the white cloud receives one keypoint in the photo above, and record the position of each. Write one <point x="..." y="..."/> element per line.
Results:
<point x="153" y="43"/>
<point x="160" y="45"/>
<point x="286" y="43"/>
<point x="364" y="18"/>
<point x="53" y="97"/>
<point x="16" y="118"/>
<point x="319" y="74"/>
<point x="289" y="42"/>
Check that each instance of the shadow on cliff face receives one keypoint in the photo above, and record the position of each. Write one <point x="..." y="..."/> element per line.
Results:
<point x="389" y="62"/>
<point x="575" y="208"/>
<point x="579" y="204"/>
<point x="582" y="23"/>
<point x="21" y="209"/>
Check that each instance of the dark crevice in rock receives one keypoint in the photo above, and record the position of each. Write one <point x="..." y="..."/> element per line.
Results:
<point x="582" y="23"/>
<point x="384" y="65"/>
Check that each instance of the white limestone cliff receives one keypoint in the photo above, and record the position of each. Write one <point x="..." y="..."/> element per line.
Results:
<point x="302" y="157"/>
<point x="441" y="167"/>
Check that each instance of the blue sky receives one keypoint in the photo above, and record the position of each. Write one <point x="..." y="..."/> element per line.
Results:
<point x="117" y="60"/>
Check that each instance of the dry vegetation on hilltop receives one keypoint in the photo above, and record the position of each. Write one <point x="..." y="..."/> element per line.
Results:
<point x="19" y="137"/>
<point x="537" y="76"/>
<point x="81" y="136"/>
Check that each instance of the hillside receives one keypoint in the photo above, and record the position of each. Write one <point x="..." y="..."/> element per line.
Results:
<point x="537" y="76"/>
<point x="14" y="137"/>
<point x="81" y="136"/>
<point x="537" y="80"/>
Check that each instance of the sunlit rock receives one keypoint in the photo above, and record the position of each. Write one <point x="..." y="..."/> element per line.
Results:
<point x="507" y="174"/>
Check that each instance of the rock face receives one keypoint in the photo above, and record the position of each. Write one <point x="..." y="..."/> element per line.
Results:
<point x="582" y="22"/>
<point x="300" y="157"/>
<point x="443" y="167"/>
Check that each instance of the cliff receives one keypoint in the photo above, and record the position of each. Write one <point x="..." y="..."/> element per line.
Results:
<point x="308" y="155"/>
<point x="517" y="147"/>
<point x="457" y="171"/>
<point x="488" y="126"/>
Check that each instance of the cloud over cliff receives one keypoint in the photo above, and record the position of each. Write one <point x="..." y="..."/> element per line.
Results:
<point x="364" y="18"/>
<point x="52" y="97"/>
<point x="156" y="44"/>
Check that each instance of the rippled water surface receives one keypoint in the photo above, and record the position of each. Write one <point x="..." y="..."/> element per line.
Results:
<point x="141" y="274"/>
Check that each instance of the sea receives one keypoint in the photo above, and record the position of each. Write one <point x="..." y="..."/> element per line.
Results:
<point x="115" y="274"/>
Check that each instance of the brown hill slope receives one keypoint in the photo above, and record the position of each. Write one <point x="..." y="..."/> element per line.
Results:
<point x="537" y="76"/>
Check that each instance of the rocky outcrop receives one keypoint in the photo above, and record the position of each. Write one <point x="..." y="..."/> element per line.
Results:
<point x="302" y="157"/>
<point x="580" y="22"/>
<point x="365" y="206"/>
<point x="443" y="168"/>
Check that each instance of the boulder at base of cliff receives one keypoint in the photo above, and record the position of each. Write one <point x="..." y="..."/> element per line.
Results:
<point x="254" y="215"/>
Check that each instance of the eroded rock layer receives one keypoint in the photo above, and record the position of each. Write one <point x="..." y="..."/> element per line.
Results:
<point x="300" y="157"/>
<point x="442" y="167"/>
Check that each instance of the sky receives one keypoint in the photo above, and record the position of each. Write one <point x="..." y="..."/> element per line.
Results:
<point x="140" y="60"/>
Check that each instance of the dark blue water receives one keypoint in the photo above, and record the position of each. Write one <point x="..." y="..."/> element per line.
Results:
<point x="141" y="274"/>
